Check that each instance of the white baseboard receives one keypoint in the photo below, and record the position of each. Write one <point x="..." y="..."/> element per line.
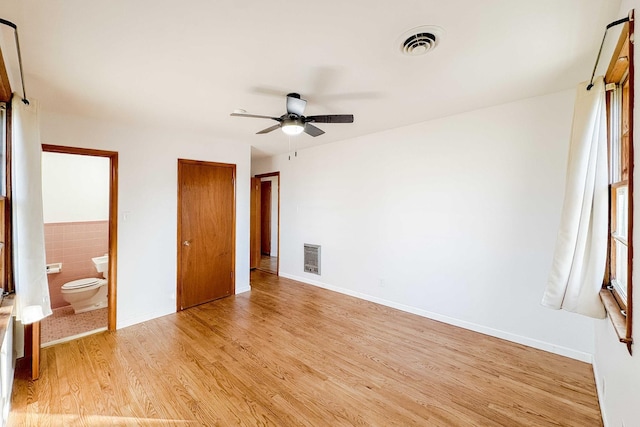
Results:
<point x="541" y="345"/>
<point x="73" y="337"/>
<point x="243" y="289"/>
<point x="123" y="323"/>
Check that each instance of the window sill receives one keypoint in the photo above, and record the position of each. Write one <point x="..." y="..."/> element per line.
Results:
<point x="618" y="319"/>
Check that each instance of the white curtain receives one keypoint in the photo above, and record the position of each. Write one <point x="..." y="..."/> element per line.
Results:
<point x="32" y="290"/>
<point x="580" y="256"/>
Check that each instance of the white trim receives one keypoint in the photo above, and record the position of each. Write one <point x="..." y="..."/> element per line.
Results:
<point x="599" y="392"/>
<point x="530" y="342"/>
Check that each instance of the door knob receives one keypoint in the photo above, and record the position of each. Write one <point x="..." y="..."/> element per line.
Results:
<point x="186" y="243"/>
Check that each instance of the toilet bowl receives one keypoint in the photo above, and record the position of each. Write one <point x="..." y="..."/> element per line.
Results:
<point x="85" y="294"/>
<point x="90" y="293"/>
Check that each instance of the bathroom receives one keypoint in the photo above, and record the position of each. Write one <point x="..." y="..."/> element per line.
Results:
<point x="75" y="193"/>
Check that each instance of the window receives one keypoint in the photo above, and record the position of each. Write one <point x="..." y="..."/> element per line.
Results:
<point x="617" y="290"/>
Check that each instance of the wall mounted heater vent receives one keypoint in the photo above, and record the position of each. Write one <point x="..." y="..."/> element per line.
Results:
<point x="312" y="259"/>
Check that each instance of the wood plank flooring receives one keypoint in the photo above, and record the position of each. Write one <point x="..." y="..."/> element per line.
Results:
<point x="288" y="354"/>
<point x="268" y="264"/>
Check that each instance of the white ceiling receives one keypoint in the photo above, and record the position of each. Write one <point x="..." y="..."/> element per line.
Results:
<point x="189" y="64"/>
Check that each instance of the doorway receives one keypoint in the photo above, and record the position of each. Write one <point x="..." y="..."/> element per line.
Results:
<point x="269" y="222"/>
<point x="206" y="232"/>
<point x="80" y="215"/>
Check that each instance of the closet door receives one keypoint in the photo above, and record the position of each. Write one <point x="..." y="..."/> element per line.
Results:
<point x="206" y="232"/>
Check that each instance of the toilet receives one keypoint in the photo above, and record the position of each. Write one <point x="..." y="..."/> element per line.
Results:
<point x="90" y="293"/>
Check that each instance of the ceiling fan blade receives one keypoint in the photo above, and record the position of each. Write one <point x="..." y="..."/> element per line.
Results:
<point x="295" y="105"/>
<point x="269" y="91"/>
<point x="331" y="118"/>
<point x="269" y="129"/>
<point x="255" y="116"/>
<point x="312" y="130"/>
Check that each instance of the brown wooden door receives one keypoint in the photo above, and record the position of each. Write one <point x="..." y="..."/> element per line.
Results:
<point x="255" y="224"/>
<point x="265" y="217"/>
<point x="206" y="232"/>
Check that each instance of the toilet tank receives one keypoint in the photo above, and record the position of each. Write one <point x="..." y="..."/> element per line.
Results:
<point x="102" y="265"/>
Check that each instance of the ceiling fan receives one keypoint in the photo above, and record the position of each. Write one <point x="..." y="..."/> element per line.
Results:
<point x="293" y="122"/>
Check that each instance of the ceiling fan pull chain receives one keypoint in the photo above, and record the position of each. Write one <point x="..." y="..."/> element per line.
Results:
<point x="289" y="138"/>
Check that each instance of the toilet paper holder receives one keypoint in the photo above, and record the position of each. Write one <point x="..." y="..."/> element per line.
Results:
<point x="56" y="267"/>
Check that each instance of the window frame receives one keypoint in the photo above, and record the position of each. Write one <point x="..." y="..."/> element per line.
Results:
<point x="619" y="81"/>
<point x="6" y="227"/>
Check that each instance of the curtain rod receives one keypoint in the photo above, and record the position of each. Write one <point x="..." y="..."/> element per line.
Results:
<point x="613" y="24"/>
<point x="15" y="31"/>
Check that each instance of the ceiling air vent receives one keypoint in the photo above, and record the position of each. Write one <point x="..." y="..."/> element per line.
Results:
<point x="420" y="40"/>
<point x="312" y="259"/>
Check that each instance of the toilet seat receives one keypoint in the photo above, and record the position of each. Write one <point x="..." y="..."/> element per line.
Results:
<point x="82" y="283"/>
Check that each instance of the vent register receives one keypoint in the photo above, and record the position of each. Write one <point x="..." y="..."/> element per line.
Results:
<point x="312" y="258"/>
<point x="420" y="40"/>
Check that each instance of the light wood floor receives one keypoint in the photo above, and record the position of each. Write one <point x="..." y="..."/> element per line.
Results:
<point x="289" y="354"/>
<point x="268" y="264"/>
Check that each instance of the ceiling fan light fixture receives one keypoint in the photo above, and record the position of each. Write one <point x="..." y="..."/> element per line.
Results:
<point x="292" y="127"/>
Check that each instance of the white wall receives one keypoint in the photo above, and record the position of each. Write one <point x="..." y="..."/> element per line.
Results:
<point x="75" y="188"/>
<point x="618" y="373"/>
<point x="147" y="204"/>
<point x="454" y="219"/>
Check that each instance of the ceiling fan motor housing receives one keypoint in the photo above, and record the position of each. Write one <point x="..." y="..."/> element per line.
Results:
<point x="292" y="120"/>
